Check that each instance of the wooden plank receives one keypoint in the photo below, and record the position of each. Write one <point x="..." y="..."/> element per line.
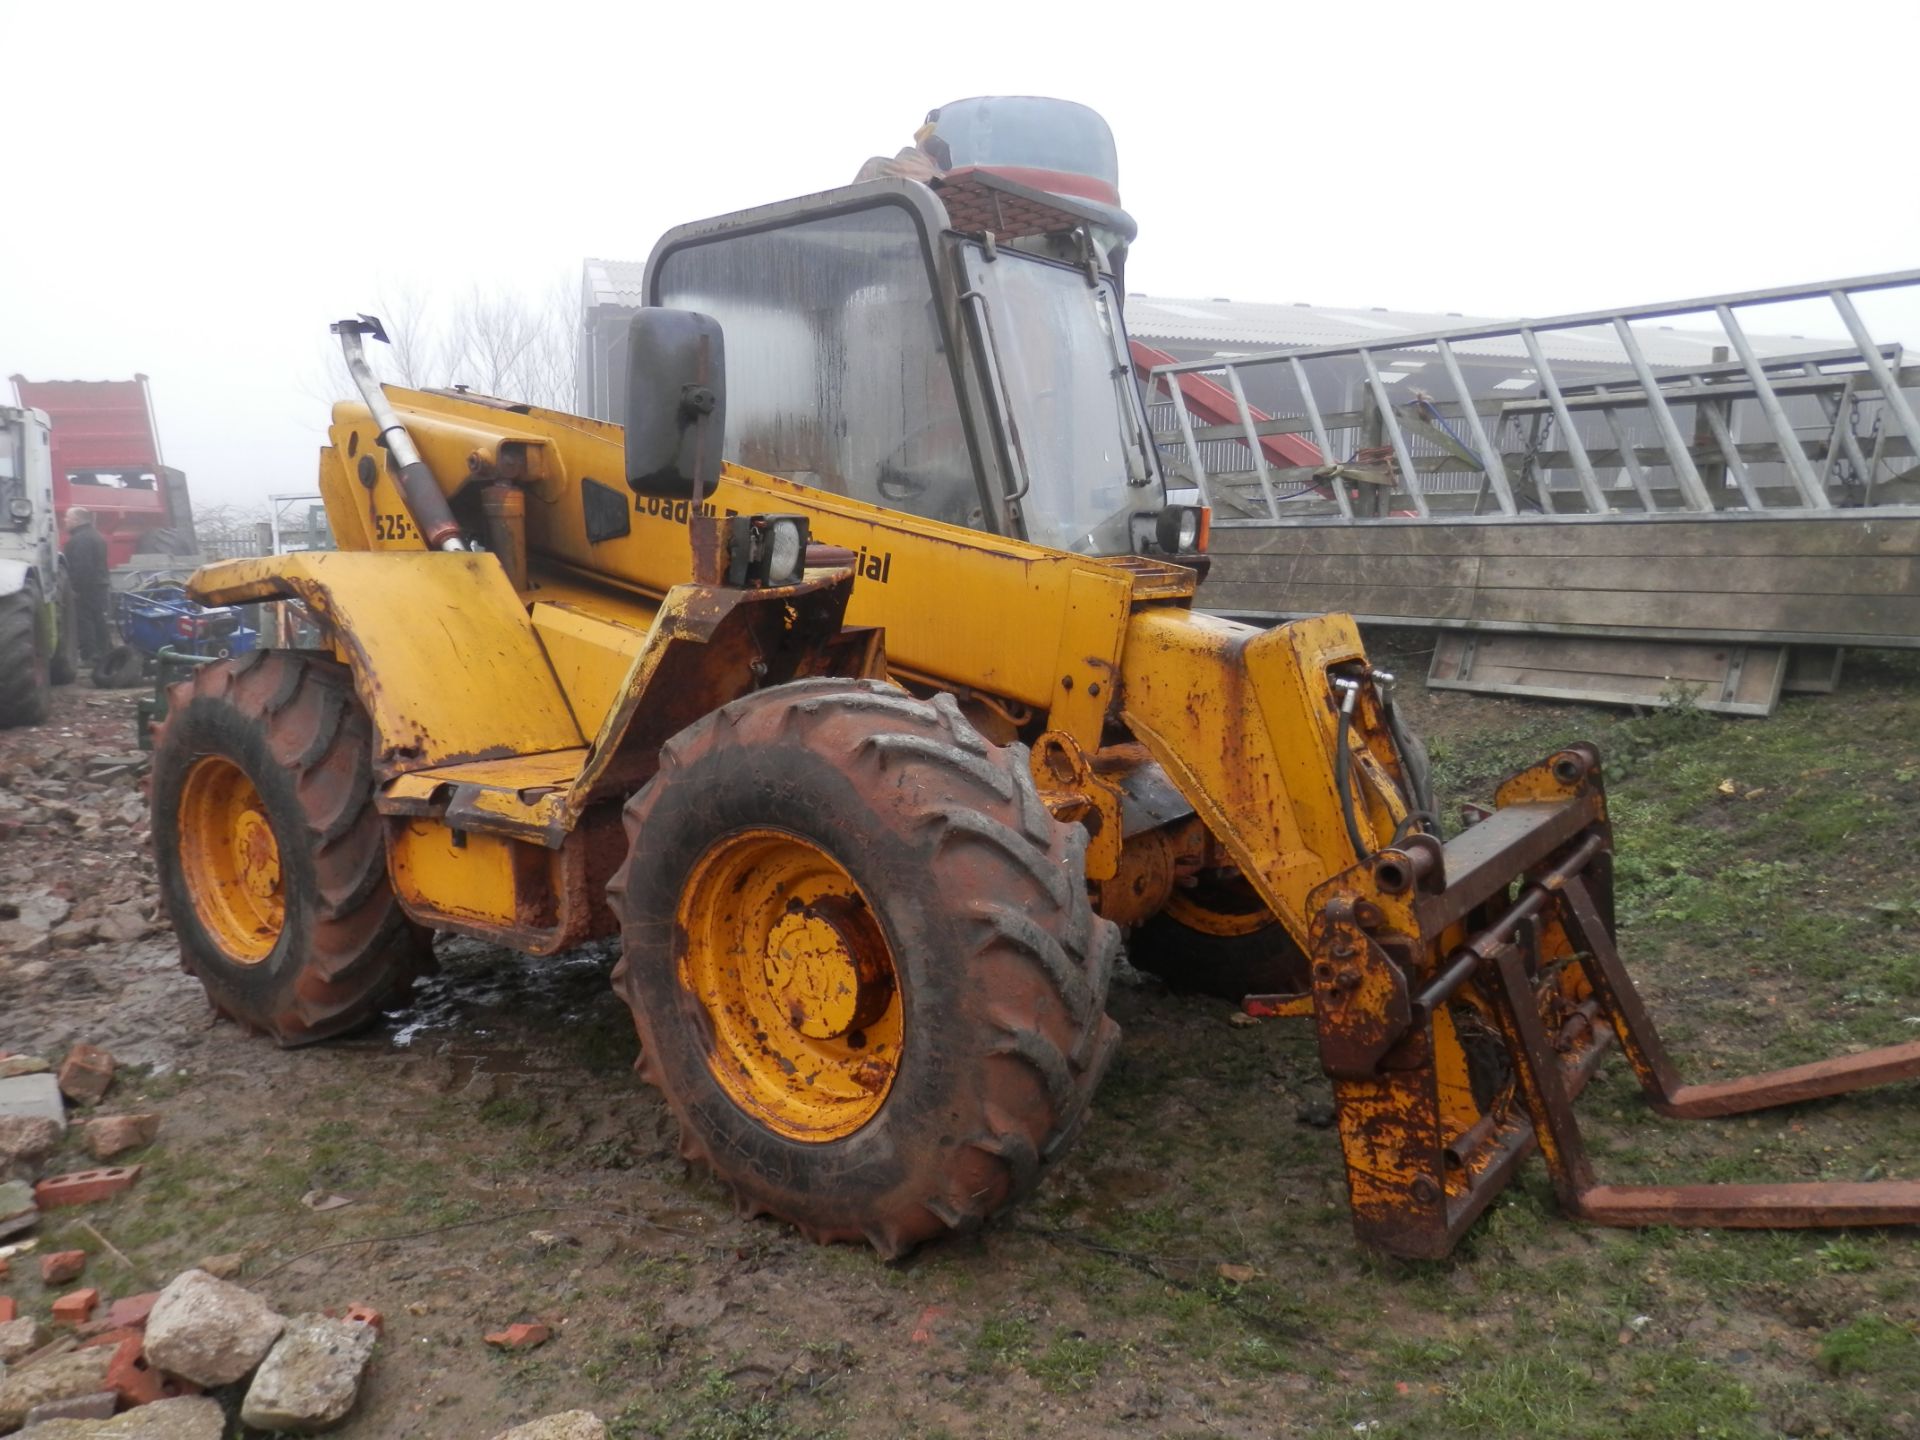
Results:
<point x="1693" y="663"/>
<point x="1709" y="574"/>
<point x="1251" y="614"/>
<point x="1612" y="672"/>
<point x="1655" y="674"/>
<point x="1893" y="619"/>
<point x="1310" y="569"/>
<point x="1437" y="602"/>
<point x="1623" y="537"/>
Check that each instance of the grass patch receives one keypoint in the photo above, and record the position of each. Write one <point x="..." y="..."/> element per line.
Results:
<point x="1871" y="1345"/>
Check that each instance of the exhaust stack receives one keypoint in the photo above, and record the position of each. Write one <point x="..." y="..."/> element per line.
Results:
<point x="431" y="514"/>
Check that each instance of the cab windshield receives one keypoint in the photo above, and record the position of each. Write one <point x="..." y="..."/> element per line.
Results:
<point x="1081" y="458"/>
<point x="838" y="375"/>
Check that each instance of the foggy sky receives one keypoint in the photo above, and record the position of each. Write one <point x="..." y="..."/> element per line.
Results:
<point x="196" y="191"/>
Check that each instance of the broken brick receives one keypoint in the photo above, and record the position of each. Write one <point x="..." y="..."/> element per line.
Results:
<point x="924" y="1328"/>
<point x="85" y="1074"/>
<point x="83" y="1187"/>
<point x="9" y="1311"/>
<point x="132" y="1376"/>
<point x="75" y="1307"/>
<point x="106" y="1136"/>
<point x="363" y="1315"/>
<point x="131" y="1313"/>
<point x="520" y="1337"/>
<point x="62" y="1266"/>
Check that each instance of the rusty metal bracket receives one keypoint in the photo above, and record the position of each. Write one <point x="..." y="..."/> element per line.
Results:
<point x="1516" y="949"/>
<point x="1548" y="1102"/>
<point x="1073" y="793"/>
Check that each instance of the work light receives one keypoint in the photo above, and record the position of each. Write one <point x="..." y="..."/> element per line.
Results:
<point x="1178" y="529"/>
<point x="766" y="550"/>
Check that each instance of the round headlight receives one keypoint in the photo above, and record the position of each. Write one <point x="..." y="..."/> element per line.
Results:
<point x="22" y="509"/>
<point x="785" y="553"/>
<point x="1177" y="529"/>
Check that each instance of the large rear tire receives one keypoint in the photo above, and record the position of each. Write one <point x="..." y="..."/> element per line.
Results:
<point x="25" y="684"/>
<point x="272" y="858"/>
<point x="862" y="962"/>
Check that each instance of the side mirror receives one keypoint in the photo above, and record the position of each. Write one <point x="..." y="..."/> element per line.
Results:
<point x="676" y="403"/>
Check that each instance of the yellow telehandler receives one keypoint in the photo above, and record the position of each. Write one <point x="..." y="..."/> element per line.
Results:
<point x="872" y="741"/>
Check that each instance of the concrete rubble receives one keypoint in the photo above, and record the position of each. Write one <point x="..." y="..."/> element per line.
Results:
<point x="33" y="1121"/>
<point x="149" y="1353"/>
<point x="58" y="1377"/>
<point x="311" y="1377"/>
<point x="98" y="1406"/>
<point x="32" y="1094"/>
<point x="569" y="1425"/>
<point x="195" y="1418"/>
<point x="210" y="1331"/>
<point x="19" y="1339"/>
<point x="18" y="1211"/>
<point x="73" y="837"/>
<point x="27" y="1139"/>
<point x="76" y="873"/>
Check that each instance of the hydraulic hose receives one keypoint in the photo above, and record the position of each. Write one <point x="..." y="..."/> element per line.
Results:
<point x="1343" y="769"/>
<point x="1413" y="761"/>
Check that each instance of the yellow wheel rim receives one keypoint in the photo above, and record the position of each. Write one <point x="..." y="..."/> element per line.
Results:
<point x="1220" y="906"/>
<point x="231" y="859"/>
<point x="797" y="980"/>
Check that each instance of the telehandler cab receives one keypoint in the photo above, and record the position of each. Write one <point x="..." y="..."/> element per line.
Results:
<point x="869" y="745"/>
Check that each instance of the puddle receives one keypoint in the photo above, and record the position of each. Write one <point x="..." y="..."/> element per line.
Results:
<point x="490" y="1002"/>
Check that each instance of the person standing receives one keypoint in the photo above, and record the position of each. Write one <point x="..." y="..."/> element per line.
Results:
<point x="88" y="574"/>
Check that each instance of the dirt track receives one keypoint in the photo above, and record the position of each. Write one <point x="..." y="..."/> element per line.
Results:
<point x="503" y="1164"/>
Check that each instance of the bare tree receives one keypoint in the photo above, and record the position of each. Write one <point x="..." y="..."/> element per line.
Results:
<point x="514" y="347"/>
<point x="495" y="341"/>
<point x="407" y="317"/>
<point x="226" y="530"/>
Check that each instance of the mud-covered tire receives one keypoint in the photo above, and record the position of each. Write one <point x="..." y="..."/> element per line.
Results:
<point x="293" y="726"/>
<point x="1002" y="966"/>
<point x="25" y="685"/>
<point x="121" y="668"/>
<point x="63" y="667"/>
<point x="1260" y="959"/>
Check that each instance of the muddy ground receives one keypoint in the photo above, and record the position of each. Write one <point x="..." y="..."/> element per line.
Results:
<point x="502" y="1163"/>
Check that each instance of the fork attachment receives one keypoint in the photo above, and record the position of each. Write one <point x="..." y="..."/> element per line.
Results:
<point x="1464" y="994"/>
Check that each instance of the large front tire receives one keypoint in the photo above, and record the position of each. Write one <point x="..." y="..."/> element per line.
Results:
<point x="862" y="962"/>
<point x="272" y="858"/>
